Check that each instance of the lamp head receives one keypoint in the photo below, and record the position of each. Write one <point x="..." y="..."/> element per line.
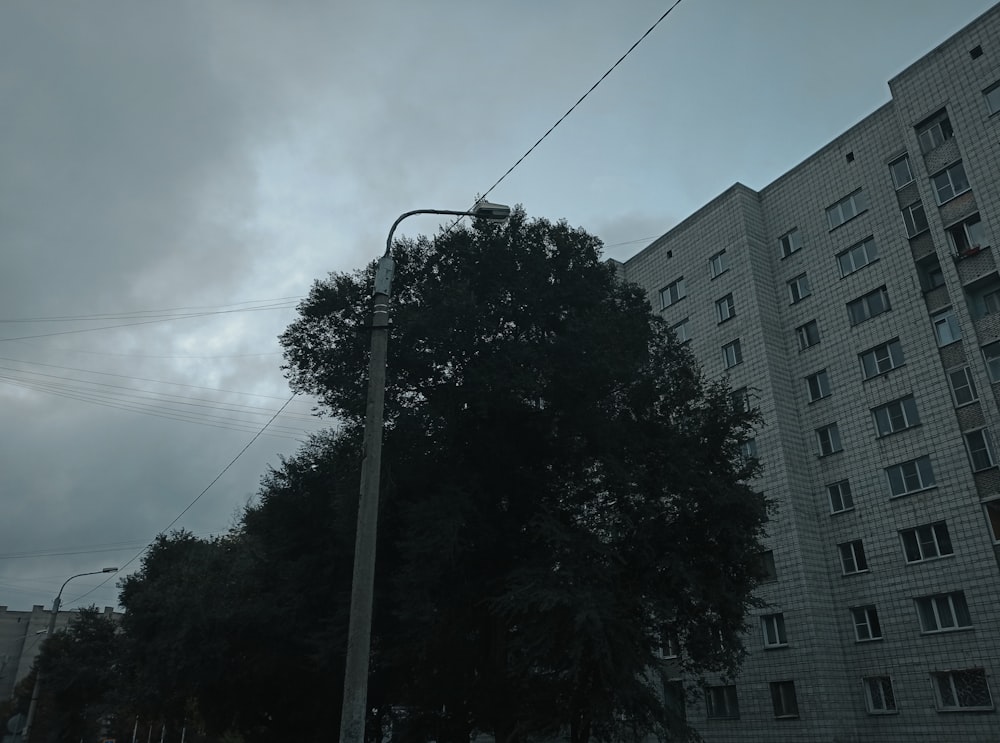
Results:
<point x="491" y="211"/>
<point x="109" y="570"/>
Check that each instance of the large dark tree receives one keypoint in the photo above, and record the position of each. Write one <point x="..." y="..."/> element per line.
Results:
<point x="560" y="484"/>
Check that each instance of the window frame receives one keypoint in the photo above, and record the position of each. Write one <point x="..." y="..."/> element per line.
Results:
<point x="867" y="248"/>
<point x="986" y="448"/>
<point x="933" y="534"/>
<point x="865" y="620"/>
<point x="888" y="706"/>
<point x="991" y="509"/>
<point x="910" y="226"/>
<point x="790" y="242"/>
<point x="902" y="411"/>
<point x="822" y="385"/>
<point x="677" y="287"/>
<point x="837" y="214"/>
<point x="737" y="354"/>
<point x="890" y="346"/>
<point x="784" y="700"/>
<point x="955" y="187"/>
<point x="992" y="362"/>
<point x="773" y="626"/>
<point x="993" y="91"/>
<point x="728" y="303"/>
<point x="905" y="158"/>
<point x="970" y="385"/>
<point x="730" y="707"/>
<point x="808" y="335"/>
<point x="920" y="474"/>
<point x="852" y="557"/>
<point x="938" y="120"/>
<point x="828" y="440"/>
<point x="718" y="264"/>
<point x="681" y="330"/>
<point x="946" y="319"/>
<point x="968" y="235"/>
<point x="847" y="502"/>
<point x="865" y="303"/>
<point x="798" y="288"/>
<point x="957" y="609"/>
<point x="941" y="703"/>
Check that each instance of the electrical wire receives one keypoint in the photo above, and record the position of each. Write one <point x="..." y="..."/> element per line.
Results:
<point x="190" y="505"/>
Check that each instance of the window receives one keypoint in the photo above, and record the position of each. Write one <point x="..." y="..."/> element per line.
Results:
<point x="721" y="702"/>
<point x="818" y="385"/>
<point x="852" y="557"/>
<point x="798" y="288"/>
<point x="992" y="97"/>
<point x="882" y="359"/>
<point x="934" y="131"/>
<point x="857" y="256"/>
<point x="879" y="698"/>
<point x="786" y="706"/>
<point x="992" y="509"/>
<point x="773" y="626"/>
<point x="670" y="646"/>
<point x="914" y="219"/>
<point x="828" y="440"/>
<point x="968" y="236"/>
<point x="718" y="263"/>
<point x="944" y="612"/>
<point x="866" y="307"/>
<point x="967" y="689"/>
<point x="927" y="542"/>
<point x="910" y="477"/>
<point x="963" y="388"/>
<point x="790" y="243"/>
<point x="740" y="400"/>
<point x="725" y="308"/>
<point x="930" y="273"/>
<point x="866" y="626"/>
<point x="950" y="182"/>
<point x="896" y="416"/>
<point x="980" y="447"/>
<point x="946" y="328"/>
<point x="681" y="331"/>
<point x="847" y="209"/>
<point x="732" y="354"/>
<point x="900" y="170"/>
<point x="672" y="293"/>
<point x="991" y="302"/>
<point x="748" y="449"/>
<point x="765" y="567"/>
<point x="991" y="355"/>
<point x="840" y="496"/>
<point x="807" y="334"/>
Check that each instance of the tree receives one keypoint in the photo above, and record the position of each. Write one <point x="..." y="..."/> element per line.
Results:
<point x="80" y="671"/>
<point x="561" y="483"/>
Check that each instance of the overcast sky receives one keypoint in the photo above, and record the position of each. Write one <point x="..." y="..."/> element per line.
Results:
<point x="174" y="175"/>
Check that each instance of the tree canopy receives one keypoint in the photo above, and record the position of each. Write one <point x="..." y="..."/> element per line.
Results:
<point x="561" y="484"/>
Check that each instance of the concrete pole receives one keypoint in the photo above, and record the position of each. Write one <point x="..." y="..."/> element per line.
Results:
<point x="354" y="710"/>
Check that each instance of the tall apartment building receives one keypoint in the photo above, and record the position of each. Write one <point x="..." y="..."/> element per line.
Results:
<point x="856" y="302"/>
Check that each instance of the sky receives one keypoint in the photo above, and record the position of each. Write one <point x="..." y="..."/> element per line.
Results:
<point x="174" y="176"/>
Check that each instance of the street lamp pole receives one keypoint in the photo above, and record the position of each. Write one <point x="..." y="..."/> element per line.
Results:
<point x="353" y="711"/>
<point x="36" y="691"/>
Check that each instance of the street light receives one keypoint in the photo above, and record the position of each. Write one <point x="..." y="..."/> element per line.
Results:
<point x="36" y="692"/>
<point x="352" y="720"/>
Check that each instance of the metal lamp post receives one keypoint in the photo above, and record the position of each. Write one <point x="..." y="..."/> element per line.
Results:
<point x="36" y="692"/>
<point x="353" y="712"/>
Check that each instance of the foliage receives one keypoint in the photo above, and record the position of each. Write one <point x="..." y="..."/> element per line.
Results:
<point x="560" y="484"/>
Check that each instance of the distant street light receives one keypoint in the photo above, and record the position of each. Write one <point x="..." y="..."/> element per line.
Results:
<point x="36" y="692"/>
<point x="352" y="720"/>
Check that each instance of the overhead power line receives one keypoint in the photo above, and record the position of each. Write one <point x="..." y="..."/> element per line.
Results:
<point x="197" y="498"/>
<point x="582" y="98"/>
